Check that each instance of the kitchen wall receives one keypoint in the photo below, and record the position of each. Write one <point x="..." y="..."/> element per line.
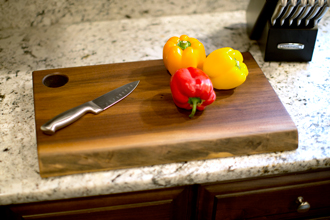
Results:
<point x="27" y="13"/>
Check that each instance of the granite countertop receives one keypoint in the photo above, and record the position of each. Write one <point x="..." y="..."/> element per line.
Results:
<point x="303" y="88"/>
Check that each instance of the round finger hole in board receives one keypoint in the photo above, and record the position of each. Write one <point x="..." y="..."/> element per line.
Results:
<point x="55" y="80"/>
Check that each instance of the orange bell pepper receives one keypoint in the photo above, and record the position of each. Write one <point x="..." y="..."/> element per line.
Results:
<point x="183" y="52"/>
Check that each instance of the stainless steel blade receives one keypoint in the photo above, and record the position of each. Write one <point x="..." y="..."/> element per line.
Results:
<point x="300" y="6"/>
<point x="107" y="100"/>
<point x="96" y="106"/>
<point x="322" y="12"/>
<point x="278" y="10"/>
<point x="318" y="5"/>
<point x="289" y="8"/>
<point x="308" y="7"/>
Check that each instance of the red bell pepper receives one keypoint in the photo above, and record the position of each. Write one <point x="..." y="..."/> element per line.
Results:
<point x="191" y="89"/>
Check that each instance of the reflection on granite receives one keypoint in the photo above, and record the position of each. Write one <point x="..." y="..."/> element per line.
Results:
<point x="303" y="88"/>
<point x="22" y="13"/>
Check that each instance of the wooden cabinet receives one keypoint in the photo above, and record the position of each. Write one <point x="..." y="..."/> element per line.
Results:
<point x="174" y="203"/>
<point x="270" y="197"/>
<point x="273" y="197"/>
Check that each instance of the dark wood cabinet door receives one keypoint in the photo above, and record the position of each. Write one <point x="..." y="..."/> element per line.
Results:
<point x="266" y="198"/>
<point x="271" y="197"/>
<point x="165" y="204"/>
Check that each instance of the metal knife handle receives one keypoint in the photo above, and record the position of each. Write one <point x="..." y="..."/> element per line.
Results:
<point x="298" y="10"/>
<point x="288" y="11"/>
<point x="68" y="117"/>
<point x="278" y="10"/>
<point x="322" y="12"/>
<point x="308" y="7"/>
<point x="317" y="6"/>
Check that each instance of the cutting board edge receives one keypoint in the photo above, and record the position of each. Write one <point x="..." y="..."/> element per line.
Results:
<point x="91" y="161"/>
<point x="158" y="138"/>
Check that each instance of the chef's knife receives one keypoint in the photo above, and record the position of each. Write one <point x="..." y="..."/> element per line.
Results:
<point x="322" y="12"/>
<point x="308" y="7"/>
<point x="318" y="5"/>
<point x="278" y="10"/>
<point x="301" y="5"/>
<point x="290" y="7"/>
<point x="95" y="106"/>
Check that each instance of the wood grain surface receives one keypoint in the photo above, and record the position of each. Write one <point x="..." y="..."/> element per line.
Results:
<point x="146" y="128"/>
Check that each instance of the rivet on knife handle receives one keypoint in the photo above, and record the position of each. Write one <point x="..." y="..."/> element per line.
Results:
<point x="95" y="106"/>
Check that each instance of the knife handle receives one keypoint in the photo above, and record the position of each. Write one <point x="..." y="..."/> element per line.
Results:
<point x="298" y="10"/>
<point x="68" y="117"/>
<point x="305" y="12"/>
<point x="315" y="10"/>
<point x="321" y="14"/>
<point x="286" y="14"/>
<point x="278" y="10"/>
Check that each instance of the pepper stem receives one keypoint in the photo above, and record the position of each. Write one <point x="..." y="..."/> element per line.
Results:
<point x="194" y="102"/>
<point x="237" y="63"/>
<point x="183" y="44"/>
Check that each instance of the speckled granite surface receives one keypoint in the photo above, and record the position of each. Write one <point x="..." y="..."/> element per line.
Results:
<point x="304" y="89"/>
<point x="31" y="13"/>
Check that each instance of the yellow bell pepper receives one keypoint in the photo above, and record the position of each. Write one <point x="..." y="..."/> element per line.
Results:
<point x="183" y="52"/>
<point x="225" y="68"/>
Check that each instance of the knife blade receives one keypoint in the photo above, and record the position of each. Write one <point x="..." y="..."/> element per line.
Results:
<point x="301" y="5"/>
<point x="308" y="7"/>
<point x="95" y="106"/>
<point x="322" y="12"/>
<point x="278" y="10"/>
<point x="318" y="5"/>
<point x="289" y="9"/>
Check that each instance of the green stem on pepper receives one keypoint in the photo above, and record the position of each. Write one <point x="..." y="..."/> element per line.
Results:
<point x="183" y="44"/>
<point x="237" y="63"/>
<point x="194" y="102"/>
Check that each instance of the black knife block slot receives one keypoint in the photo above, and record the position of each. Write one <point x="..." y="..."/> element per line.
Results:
<point x="298" y="43"/>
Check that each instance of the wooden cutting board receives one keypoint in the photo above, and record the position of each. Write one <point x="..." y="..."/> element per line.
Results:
<point x="146" y="128"/>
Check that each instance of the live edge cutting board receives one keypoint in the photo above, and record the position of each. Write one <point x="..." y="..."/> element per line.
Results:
<point x="146" y="128"/>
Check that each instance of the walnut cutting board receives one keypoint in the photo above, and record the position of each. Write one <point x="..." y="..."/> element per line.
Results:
<point x="146" y="128"/>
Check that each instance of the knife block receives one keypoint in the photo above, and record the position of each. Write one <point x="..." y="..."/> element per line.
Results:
<point x="287" y="44"/>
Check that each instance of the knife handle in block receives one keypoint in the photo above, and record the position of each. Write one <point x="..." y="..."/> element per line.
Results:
<point x="68" y="117"/>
